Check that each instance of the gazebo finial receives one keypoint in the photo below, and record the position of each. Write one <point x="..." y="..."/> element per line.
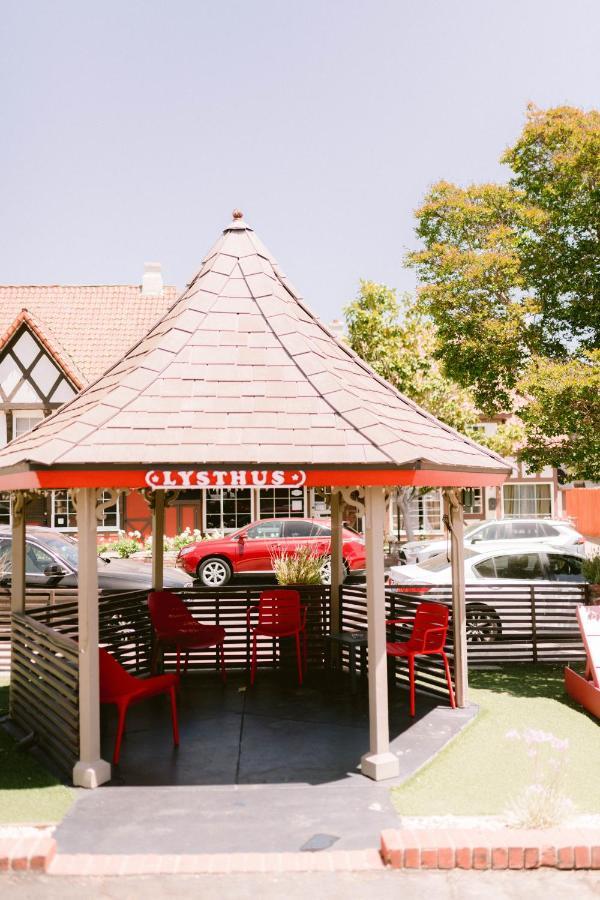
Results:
<point x="238" y="214"/>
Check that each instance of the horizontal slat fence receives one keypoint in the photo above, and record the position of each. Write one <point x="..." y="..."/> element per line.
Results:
<point x="44" y="688"/>
<point x="35" y="597"/>
<point x="533" y="624"/>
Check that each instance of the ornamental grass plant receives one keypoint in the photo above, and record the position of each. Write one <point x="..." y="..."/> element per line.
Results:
<point x="304" y="566"/>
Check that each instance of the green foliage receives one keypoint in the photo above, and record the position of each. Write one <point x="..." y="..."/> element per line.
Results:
<point x="510" y="274"/>
<point x="508" y="440"/>
<point x="303" y="566"/>
<point x="591" y="569"/>
<point x="399" y="341"/>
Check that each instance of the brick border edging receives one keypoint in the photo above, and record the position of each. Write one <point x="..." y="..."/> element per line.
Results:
<point x="23" y="854"/>
<point x="559" y="848"/>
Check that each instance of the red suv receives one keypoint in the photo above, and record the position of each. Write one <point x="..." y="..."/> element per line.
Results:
<point x="248" y="551"/>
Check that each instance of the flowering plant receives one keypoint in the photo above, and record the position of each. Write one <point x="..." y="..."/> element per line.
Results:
<point x="543" y="803"/>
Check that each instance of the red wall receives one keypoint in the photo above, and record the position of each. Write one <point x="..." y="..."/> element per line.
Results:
<point x="583" y="505"/>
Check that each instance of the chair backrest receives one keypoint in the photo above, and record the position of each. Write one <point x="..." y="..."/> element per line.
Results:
<point x="280" y="607"/>
<point x="114" y="679"/>
<point x="429" y="615"/>
<point x="168" y="612"/>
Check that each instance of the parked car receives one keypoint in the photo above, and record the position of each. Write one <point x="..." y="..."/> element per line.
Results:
<point x="51" y="561"/>
<point x="500" y="532"/>
<point x="248" y="550"/>
<point x="517" y="563"/>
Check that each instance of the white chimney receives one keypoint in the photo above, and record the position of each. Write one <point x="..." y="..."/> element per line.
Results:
<point x="152" y="283"/>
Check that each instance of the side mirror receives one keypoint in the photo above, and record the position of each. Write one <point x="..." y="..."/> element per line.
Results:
<point x="476" y="539"/>
<point x="241" y="538"/>
<point x="54" y="571"/>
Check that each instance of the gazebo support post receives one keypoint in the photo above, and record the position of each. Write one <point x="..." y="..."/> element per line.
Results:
<point x="455" y="514"/>
<point x="17" y="575"/>
<point x="337" y="562"/>
<point x="379" y="762"/>
<point x="91" y="770"/>
<point x="157" y="505"/>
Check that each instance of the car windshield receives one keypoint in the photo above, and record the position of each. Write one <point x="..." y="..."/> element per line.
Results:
<point x="440" y="562"/>
<point x="472" y="528"/>
<point x="62" y="546"/>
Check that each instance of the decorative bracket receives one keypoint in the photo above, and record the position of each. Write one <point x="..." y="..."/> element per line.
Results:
<point x="20" y="501"/>
<point x="101" y="504"/>
<point x="352" y="496"/>
<point x="150" y="497"/>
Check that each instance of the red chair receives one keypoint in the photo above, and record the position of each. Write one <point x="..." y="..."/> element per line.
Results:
<point x="175" y="626"/>
<point x="279" y="615"/>
<point x="122" y="689"/>
<point x="428" y="636"/>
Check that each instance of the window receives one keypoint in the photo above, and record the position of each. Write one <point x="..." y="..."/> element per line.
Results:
<point x="4" y="509"/>
<point x="64" y="517"/>
<point x="36" y="560"/>
<point x="486" y="568"/>
<point x="519" y="565"/>
<point x="24" y="421"/>
<point x="5" y="556"/>
<point x="227" y="509"/>
<point x="473" y="501"/>
<point x="497" y="531"/>
<point x="527" y="500"/>
<point x="299" y="529"/>
<point x="264" y="532"/>
<point x="522" y="531"/>
<point x="564" y="568"/>
<point x="281" y="503"/>
<point x="548" y="530"/>
<point x="321" y="503"/>
<point x="425" y="512"/>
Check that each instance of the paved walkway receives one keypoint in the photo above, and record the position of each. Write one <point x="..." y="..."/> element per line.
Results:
<point x="268" y="769"/>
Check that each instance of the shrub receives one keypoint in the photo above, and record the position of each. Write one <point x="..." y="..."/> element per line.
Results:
<point x="303" y="566"/>
<point x="543" y="803"/>
<point x="591" y="569"/>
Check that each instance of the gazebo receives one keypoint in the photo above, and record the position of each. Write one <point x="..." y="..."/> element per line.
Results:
<point x="240" y="384"/>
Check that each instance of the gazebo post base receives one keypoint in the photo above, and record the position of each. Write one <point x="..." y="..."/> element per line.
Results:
<point x="380" y="766"/>
<point x="91" y="774"/>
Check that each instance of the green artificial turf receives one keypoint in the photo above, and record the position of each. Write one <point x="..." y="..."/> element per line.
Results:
<point x="482" y="770"/>
<point x="28" y="792"/>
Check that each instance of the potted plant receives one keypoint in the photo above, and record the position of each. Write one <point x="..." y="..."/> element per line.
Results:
<point x="590" y="570"/>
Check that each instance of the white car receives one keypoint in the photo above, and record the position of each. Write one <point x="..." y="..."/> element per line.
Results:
<point x="499" y="533"/>
<point x="517" y="563"/>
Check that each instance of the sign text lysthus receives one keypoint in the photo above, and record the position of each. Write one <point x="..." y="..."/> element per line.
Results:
<point x="186" y="479"/>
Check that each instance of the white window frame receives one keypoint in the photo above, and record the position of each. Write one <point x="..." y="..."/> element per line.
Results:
<point x="528" y="515"/>
<point x="267" y="514"/>
<point x="477" y="508"/>
<point x="72" y="528"/>
<point x="422" y="498"/>
<point x="206" y="528"/>
<point x="36" y="414"/>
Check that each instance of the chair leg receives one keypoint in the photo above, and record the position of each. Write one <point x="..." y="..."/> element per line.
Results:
<point x="253" y="663"/>
<point x="174" y="717"/>
<point x="122" y="709"/>
<point x="411" y="675"/>
<point x="222" y="659"/>
<point x="304" y="650"/>
<point x="155" y="655"/>
<point x="178" y="662"/>
<point x="299" y="657"/>
<point x="449" y="680"/>
<point x="187" y="659"/>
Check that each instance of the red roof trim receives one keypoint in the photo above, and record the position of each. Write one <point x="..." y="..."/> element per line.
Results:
<point x="127" y="478"/>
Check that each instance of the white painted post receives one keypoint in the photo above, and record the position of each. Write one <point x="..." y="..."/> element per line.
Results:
<point x="158" y="537"/>
<point x="379" y="763"/>
<point x="17" y="573"/>
<point x="337" y="559"/>
<point x="91" y="770"/>
<point x="455" y="515"/>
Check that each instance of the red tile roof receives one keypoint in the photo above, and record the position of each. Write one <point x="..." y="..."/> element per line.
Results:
<point x="86" y="327"/>
<point x="239" y="372"/>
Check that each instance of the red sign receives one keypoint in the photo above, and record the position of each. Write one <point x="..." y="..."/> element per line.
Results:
<point x="238" y="478"/>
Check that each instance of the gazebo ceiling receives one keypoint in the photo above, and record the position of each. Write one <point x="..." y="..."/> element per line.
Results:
<point x="240" y="374"/>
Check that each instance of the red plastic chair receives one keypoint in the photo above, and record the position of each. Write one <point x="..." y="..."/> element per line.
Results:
<point x="428" y="637"/>
<point x="175" y="626"/>
<point x="280" y="614"/>
<point x="120" y="688"/>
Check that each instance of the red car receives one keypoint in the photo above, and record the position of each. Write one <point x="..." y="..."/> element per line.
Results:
<point x="248" y="550"/>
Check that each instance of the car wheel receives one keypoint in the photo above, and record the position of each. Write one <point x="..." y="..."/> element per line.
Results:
<point x="214" y="572"/>
<point x="483" y="624"/>
<point x="326" y="571"/>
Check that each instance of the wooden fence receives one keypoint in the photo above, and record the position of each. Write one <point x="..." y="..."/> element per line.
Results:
<point x="529" y="624"/>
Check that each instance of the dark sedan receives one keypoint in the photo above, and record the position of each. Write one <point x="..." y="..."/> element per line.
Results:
<point x="51" y="561"/>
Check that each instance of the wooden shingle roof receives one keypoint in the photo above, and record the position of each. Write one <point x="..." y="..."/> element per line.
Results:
<point x="240" y="373"/>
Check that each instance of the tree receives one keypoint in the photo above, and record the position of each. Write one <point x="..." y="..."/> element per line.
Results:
<point x="396" y="338"/>
<point x="510" y="275"/>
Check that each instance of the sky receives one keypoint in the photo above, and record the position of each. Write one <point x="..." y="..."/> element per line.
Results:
<point x="132" y="129"/>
